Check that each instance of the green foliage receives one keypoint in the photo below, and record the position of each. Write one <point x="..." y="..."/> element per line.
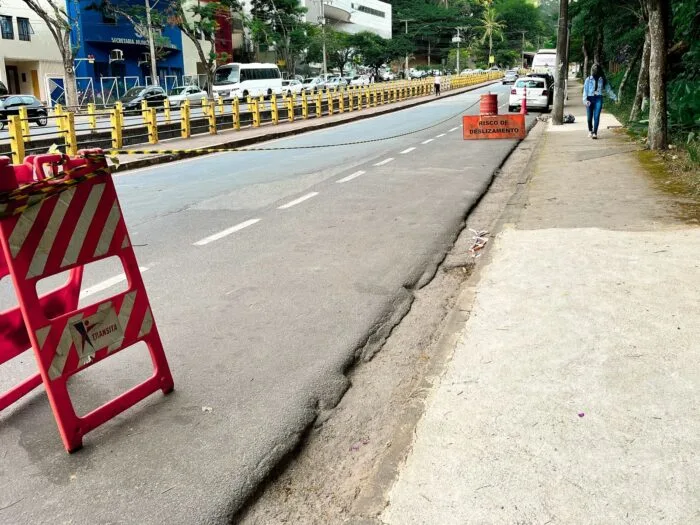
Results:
<point x="374" y="51"/>
<point x="280" y="24"/>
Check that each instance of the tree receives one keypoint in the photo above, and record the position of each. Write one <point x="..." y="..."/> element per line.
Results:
<point x="374" y="51"/>
<point x="561" y="64"/>
<point x="339" y="49"/>
<point x="491" y="28"/>
<point x="198" y="21"/>
<point x="60" y="26"/>
<point x="642" y="80"/>
<point x="658" y="124"/>
<point x="280" y="25"/>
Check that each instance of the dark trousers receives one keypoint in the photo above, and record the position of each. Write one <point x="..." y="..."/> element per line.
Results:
<point x="437" y="89"/>
<point x="593" y="112"/>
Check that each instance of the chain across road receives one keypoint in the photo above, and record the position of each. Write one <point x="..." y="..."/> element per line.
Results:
<point x="112" y="152"/>
<point x="17" y="201"/>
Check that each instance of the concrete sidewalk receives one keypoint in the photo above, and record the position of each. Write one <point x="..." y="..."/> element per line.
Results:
<point x="248" y="136"/>
<point x="571" y="395"/>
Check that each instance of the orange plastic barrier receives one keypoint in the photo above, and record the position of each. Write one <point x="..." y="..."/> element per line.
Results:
<point x="59" y="214"/>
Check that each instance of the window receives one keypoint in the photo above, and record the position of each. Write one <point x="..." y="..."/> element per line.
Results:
<point x="24" y="29"/>
<point x="368" y="10"/>
<point x="6" y="27"/>
<point x="28" y="100"/>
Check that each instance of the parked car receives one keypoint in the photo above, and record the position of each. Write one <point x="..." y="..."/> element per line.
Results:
<point x="510" y="77"/>
<point x="153" y="95"/>
<point x="359" y="80"/>
<point x="312" y="85"/>
<point x="336" y="83"/>
<point x="192" y="93"/>
<point x="291" y="87"/>
<point x="550" y="83"/>
<point x="10" y="104"/>
<point x="537" y="95"/>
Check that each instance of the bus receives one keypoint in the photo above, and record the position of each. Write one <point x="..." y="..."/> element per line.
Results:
<point x="545" y="61"/>
<point x="242" y="80"/>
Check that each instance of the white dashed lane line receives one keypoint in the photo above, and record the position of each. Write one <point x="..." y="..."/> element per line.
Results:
<point x="107" y="283"/>
<point x="453" y="129"/>
<point x="427" y="141"/>
<point x="440" y="135"/>
<point x="227" y="231"/>
<point x="385" y="161"/>
<point x="298" y="201"/>
<point x="407" y="150"/>
<point x="350" y="177"/>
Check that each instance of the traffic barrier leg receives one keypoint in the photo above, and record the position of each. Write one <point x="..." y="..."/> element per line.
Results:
<point x="116" y="128"/>
<point x="144" y="112"/>
<point x="166" y="110"/>
<point x="341" y="101"/>
<point x="331" y="109"/>
<point x="211" y="117"/>
<point x="92" y="117"/>
<point x="69" y="137"/>
<point x="16" y="138"/>
<point x="255" y="108"/>
<point x="220" y="103"/>
<point x="304" y="106"/>
<point x="24" y="119"/>
<point x="43" y="233"/>
<point x="185" y="129"/>
<point x="274" y="110"/>
<point x="290" y="107"/>
<point x="152" y="126"/>
<point x="236" y="113"/>
<point x="319" y="104"/>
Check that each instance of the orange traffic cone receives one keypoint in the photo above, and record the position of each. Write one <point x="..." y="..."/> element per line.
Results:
<point x="523" y="104"/>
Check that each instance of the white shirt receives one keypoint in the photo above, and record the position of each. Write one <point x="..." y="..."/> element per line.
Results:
<point x="437" y="79"/>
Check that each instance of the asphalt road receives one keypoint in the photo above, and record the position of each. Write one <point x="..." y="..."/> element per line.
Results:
<point x="268" y="272"/>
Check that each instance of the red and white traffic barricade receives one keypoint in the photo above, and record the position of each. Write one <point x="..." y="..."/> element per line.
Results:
<point x="58" y="214"/>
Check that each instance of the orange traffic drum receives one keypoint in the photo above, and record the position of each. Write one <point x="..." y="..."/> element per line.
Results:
<point x="489" y="104"/>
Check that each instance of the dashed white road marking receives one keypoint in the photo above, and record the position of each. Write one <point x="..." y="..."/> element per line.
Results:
<point x="297" y="201"/>
<point x="407" y="150"/>
<point x="107" y="283"/>
<point x="227" y="231"/>
<point x="427" y="141"/>
<point x="453" y="129"/>
<point x="350" y="177"/>
<point x="440" y="135"/>
<point x="385" y="161"/>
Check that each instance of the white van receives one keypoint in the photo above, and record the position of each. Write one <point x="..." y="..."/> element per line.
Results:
<point x="545" y="61"/>
<point x="240" y="80"/>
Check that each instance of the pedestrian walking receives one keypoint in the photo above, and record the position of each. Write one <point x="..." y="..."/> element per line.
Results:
<point x="593" y="88"/>
<point x="437" y="84"/>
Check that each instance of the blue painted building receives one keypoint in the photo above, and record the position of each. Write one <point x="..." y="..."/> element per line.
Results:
<point x="119" y="53"/>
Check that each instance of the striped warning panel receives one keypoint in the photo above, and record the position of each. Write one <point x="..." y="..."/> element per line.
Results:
<point x="73" y="341"/>
<point x="77" y="226"/>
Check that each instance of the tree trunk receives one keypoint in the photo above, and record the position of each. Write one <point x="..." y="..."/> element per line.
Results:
<point x="598" y="51"/>
<point x="584" y="49"/>
<point x="658" y="125"/>
<point x="630" y="67"/>
<point x="562" y="65"/>
<point x="642" y="80"/>
<point x="70" y="86"/>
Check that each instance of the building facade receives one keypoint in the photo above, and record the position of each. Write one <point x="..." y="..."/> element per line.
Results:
<point x="112" y="57"/>
<point x="28" y="53"/>
<point x="352" y="16"/>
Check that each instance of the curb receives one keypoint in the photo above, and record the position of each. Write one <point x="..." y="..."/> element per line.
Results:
<point x="242" y="142"/>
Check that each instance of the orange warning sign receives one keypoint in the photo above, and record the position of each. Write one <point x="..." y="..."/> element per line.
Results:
<point x="510" y="126"/>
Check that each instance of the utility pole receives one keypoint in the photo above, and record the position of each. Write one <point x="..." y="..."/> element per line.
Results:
<point x="561" y="65"/>
<point x="459" y="39"/>
<point x="151" y="45"/>
<point x="406" y="21"/>
<point x="323" y="38"/>
<point x="522" y="53"/>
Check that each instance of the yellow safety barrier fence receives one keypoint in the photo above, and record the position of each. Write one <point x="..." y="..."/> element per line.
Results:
<point x="145" y="125"/>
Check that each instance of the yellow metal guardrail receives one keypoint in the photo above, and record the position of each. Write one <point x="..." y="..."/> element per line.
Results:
<point x="214" y="112"/>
